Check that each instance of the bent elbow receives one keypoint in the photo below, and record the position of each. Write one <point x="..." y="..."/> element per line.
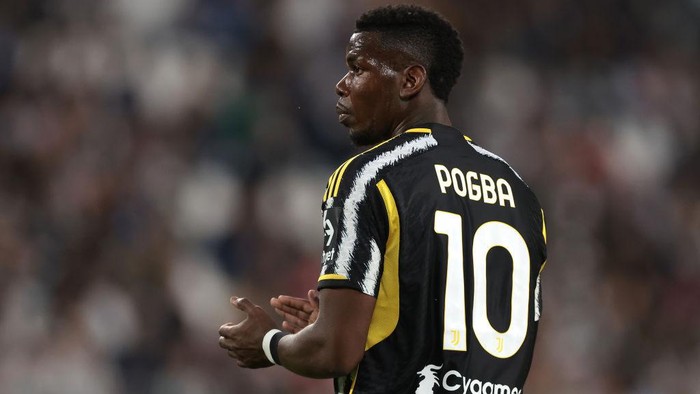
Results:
<point x="344" y="368"/>
<point x="333" y="367"/>
<point x="345" y="361"/>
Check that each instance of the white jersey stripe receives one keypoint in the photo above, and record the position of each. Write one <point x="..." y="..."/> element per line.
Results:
<point x="358" y="192"/>
<point x="373" y="268"/>
<point x="493" y="156"/>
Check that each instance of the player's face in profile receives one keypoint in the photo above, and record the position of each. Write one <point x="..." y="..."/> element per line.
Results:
<point x="369" y="92"/>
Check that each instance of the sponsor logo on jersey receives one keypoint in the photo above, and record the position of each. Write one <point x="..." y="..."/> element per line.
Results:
<point x="453" y="381"/>
<point x="429" y="379"/>
<point x="331" y="218"/>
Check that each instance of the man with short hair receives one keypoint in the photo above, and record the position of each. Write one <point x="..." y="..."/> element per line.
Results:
<point x="433" y="246"/>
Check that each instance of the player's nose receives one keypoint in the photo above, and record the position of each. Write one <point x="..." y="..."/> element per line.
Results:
<point x="341" y="88"/>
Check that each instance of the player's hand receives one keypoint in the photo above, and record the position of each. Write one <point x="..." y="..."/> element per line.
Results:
<point x="244" y="340"/>
<point x="297" y="312"/>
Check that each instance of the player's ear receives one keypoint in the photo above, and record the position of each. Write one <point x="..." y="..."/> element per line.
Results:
<point x="414" y="78"/>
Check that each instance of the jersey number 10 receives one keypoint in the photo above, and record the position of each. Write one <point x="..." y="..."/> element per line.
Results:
<point x="487" y="236"/>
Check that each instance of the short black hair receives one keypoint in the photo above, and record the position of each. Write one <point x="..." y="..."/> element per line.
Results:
<point x="422" y="34"/>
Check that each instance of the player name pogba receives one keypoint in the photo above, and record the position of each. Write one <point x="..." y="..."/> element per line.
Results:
<point x="475" y="186"/>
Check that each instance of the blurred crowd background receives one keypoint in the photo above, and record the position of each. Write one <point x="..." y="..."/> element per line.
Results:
<point x="159" y="156"/>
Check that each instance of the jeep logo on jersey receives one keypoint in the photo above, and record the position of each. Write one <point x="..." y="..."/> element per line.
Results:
<point x="331" y="217"/>
<point x="453" y="381"/>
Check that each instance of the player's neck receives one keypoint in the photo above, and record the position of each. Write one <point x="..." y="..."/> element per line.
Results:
<point x="432" y="112"/>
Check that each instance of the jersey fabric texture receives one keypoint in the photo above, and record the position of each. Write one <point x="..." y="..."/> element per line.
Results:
<point x="451" y="242"/>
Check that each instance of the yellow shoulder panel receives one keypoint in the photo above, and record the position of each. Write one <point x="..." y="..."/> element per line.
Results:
<point x="386" y="310"/>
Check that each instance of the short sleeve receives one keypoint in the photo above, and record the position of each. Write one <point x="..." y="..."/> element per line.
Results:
<point x="354" y="237"/>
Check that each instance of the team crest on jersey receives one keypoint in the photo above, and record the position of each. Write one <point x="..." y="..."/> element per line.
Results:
<point x="331" y="218"/>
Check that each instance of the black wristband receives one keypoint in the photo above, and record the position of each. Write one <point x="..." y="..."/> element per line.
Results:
<point x="273" y="346"/>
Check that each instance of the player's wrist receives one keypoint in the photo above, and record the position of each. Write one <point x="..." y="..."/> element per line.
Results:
<point x="270" y="343"/>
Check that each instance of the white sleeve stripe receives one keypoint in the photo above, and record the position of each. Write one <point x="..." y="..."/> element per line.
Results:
<point x="358" y="192"/>
<point x="372" y="273"/>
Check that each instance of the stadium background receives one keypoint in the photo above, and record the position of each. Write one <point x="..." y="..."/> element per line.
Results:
<point x="158" y="156"/>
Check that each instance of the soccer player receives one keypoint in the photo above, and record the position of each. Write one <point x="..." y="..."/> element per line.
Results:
<point x="433" y="246"/>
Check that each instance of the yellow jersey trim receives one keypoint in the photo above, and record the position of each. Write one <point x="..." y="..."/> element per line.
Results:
<point x="332" y="276"/>
<point x="467" y="138"/>
<point x="335" y="179"/>
<point x="544" y="227"/>
<point x="331" y="180"/>
<point x="354" y="380"/>
<point x="340" y="175"/>
<point x="386" y="310"/>
<point x="419" y="130"/>
<point x="544" y="234"/>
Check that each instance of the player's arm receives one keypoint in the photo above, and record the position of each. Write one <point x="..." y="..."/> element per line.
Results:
<point x="335" y="343"/>
<point x="330" y="347"/>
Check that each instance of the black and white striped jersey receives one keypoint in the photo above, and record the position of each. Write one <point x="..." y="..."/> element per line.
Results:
<point x="451" y="242"/>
